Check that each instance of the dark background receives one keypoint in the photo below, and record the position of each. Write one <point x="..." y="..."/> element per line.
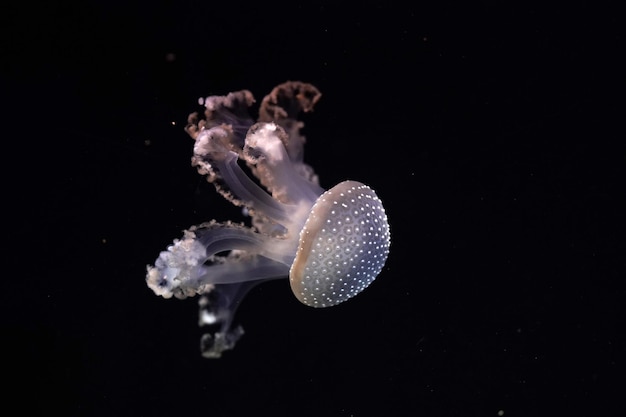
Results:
<point x="493" y="134"/>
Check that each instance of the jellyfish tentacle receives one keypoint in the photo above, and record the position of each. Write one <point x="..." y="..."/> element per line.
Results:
<point x="217" y="311"/>
<point x="282" y="106"/>
<point x="193" y="265"/>
<point x="220" y="237"/>
<point x="265" y="151"/>
<point x="231" y="109"/>
<point x="238" y="267"/>
<point x="213" y="158"/>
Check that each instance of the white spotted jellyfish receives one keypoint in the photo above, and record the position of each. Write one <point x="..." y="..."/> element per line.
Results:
<point x="331" y="244"/>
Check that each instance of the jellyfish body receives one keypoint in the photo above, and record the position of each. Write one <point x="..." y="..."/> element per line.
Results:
<point x="332" y="244"/>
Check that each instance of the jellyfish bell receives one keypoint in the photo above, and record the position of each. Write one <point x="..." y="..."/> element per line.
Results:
<point x="331" y="244"/>
<point x="343" y="246"/>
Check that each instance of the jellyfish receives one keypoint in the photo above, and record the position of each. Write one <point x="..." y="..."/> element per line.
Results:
<point x="331" y="244"/>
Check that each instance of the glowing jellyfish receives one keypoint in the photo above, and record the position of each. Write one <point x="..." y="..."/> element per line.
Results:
<point x="332" y="244"/>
